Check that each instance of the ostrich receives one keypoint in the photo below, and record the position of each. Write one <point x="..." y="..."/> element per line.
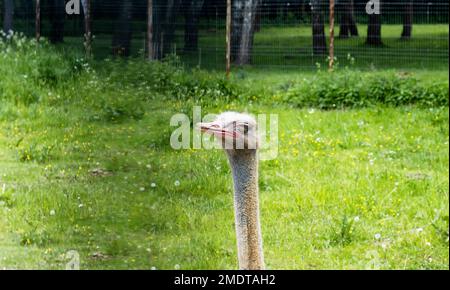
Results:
<point x="238" y="136"/>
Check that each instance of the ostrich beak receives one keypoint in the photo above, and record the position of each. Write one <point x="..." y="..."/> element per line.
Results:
<point x="217" y="130"/>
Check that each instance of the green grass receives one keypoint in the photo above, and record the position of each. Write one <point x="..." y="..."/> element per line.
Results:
<point x="350" y="189"/>
<point x="322" y="175"/>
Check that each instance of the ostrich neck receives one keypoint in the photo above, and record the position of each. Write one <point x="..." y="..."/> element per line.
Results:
<point x="244" y="166"/>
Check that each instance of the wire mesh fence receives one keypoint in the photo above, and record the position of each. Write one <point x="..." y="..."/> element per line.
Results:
<point x="279" y="34"/>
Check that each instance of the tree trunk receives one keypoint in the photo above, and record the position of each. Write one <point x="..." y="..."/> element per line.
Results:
<point x="348" y="24"/>
<point x="374" y="30"/>
<point x="318" y="28"/>
<point x="236" y="24"/>
<point x="228" y="39"/>
<point x="243" y="30"/>
<point x="121" y="43"/>
<point x="150" y="44"/>
<point x="87" y="27"/>
<point x="192" y="12"/>
<point x="407" y="20"/>
<point x="164" y="13"/>
<point x="158" y="27"/>
<point x="8" y="15"/>
<point x="57" y="17"/>
<point x="344" y="31"/>
<point x="247" y="32"/>
<point x="352" y="21"/>
<point x="170" y="25"/>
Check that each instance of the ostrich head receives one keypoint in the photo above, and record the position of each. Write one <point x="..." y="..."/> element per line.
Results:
<point x="235" y="131"/>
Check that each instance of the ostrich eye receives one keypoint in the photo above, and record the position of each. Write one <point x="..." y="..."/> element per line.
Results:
<point x="245" y="128"/>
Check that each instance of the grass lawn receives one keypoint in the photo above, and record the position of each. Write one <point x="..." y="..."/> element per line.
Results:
<point x="350" y="189"/>
<point x="86" y="166"/>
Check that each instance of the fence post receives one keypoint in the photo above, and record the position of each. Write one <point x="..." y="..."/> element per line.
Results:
<point x="228" y="24"/>
<point x="331" y="61"/>
<point x="150" y="53"/>
<point x="87" y="28"/>
<point x="38" y="20"/>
